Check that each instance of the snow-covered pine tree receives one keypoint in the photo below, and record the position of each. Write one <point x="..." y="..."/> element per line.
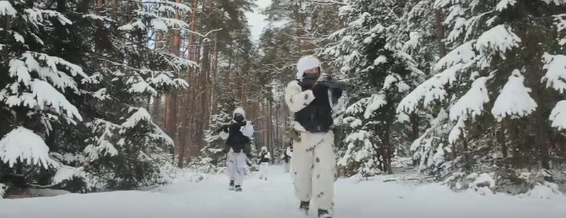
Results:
<point x="138" y="142"/>
<point x="79" y="79"/>
<point x="380" y="72"/>
<point x="418" y="34"/>
<point x="498" y="48"/>
<point x="34" y="89"/>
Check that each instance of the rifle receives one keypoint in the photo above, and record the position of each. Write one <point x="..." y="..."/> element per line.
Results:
<point x="329" y="84"/>
<point x="334" y="85"/>
<point x="228" y="126"/>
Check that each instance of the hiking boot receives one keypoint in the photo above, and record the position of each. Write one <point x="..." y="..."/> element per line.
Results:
<point x="304" y="207"/>
<point x="323" y="214"/>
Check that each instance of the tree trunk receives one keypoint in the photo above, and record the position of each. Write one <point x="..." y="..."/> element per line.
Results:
<point x="439" y="32"/>
<point x="171" y="99"/>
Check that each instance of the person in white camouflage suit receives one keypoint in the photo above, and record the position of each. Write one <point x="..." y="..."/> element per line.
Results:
<point x="312" y="102"/>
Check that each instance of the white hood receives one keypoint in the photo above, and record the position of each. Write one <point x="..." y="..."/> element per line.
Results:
<point x="239" y="110"/>
<point x="305" y="63"/>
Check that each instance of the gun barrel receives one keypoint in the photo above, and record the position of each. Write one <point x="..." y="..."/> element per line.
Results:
<point x="334" y="85"/>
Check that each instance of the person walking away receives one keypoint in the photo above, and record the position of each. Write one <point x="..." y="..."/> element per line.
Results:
<point x="238" y="136"/>
<point x="286" y="156"/>
<point x="264" y="157"/>
<point x="312" y="100"/>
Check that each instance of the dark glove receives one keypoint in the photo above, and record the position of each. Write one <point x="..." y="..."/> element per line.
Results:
<point x="243" y="123"/>
<point x="336" y="94"/>
<point x="223" y="128"/>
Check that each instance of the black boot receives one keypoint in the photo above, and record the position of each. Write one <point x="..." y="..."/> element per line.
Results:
<point x="323" y="214"/>
<point x="238" y="188"/>
<point x="304" y="207"/>
<point x="231" y="185"/>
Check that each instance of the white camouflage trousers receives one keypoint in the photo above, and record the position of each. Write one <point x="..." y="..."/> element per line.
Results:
<point x="263" y="170"/>
<point x="314" y="164"/>
<point x="286" y="167"/>
<point x="236" y="166"/>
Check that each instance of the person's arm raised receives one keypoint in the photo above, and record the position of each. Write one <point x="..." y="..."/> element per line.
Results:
<point x="223" y="133"/>
<point x="297" y="99"/>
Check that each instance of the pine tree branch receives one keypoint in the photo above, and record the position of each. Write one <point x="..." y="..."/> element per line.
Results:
<point x="326" y="2"/>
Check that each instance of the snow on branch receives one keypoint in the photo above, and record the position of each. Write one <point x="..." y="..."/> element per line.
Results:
<point x="472" y="102"/>
<point x="48" y="71"/>
<point x="156" y="18"/>
<point x="555" y="2"/>
<point x="356" y="107"/>
<point x="24" y="145"/>
<point x="425" y="139"/>
<point x="162" y="79"/>
<point x="456" y="131"/>
<point x="429" y="91"/>
<point x="173" y="7"/>
<point x="138" y="85"/>
<point x="555" y="66"/>
<point x="66" y="173"/>
<point x="558" y="115"/>
<point x="444" y="3"/>
<point x="159" y="134"/>
<point x="135" y="118"/>
<point x="37" y="16"/>
<point x="560" y="23"/>
<point x="110" y="132"/>
<point x="498" y="39"/>
<point x="502" y="5"/>
<point x="6" y="9"/>
<point x="514" y="99"/>
<point x="329" y="2"/>
<point x="52" y="62"/>
<point x="44" y="95"/>
<point x="2" y="186"/>
<point x="463" y="54"/>
<point x="102" y="144"/>
<point x="374" y="102"/>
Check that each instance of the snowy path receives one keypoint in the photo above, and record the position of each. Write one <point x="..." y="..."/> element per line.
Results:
<point x="274" y="198"/>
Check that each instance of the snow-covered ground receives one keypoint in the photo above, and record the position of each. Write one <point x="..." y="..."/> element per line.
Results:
<point x="274" y="198"/>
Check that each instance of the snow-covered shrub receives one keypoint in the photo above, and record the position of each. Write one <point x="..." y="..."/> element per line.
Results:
<point x="507" y="181"/>
<point x="481" y="183"/>
<point x="167" y="169"/>
<point x="544" y="190"/>
<point x="205" y="165"/>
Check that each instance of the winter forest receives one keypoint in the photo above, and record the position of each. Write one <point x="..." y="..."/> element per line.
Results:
<point x="107" y="95"/>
